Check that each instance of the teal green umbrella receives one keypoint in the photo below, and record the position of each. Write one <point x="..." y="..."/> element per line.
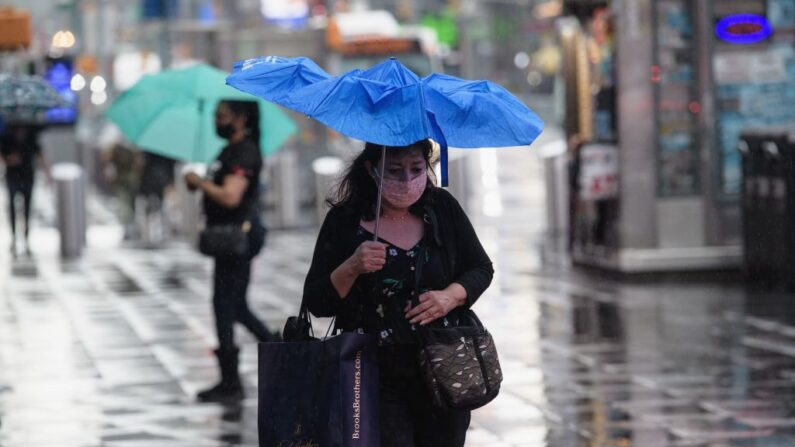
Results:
<point x="172" y="113"/>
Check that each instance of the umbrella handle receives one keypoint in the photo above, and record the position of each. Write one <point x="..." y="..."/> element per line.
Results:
<point x="381" y="168"/>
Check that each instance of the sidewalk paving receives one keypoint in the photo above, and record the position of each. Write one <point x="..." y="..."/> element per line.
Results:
<point x="110" y="350"/>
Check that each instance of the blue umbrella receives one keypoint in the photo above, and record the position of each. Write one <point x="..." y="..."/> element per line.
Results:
<point x="390" y="105"/>
<point x="282" y="76"/>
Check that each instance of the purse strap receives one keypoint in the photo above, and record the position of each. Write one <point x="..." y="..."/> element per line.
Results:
<point x="415" y="301"/>
<point x="303" y="315"/>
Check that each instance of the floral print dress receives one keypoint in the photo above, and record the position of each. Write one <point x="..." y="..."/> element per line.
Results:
<point x="395" y="288"/>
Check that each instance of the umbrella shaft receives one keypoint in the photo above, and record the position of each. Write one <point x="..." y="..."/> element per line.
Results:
<point x="381" y="168"/>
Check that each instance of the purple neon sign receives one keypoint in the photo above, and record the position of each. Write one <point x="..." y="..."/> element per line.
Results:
<point x="743" y="29"/>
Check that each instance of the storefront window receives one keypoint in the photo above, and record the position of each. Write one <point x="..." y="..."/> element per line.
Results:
<point x="754" y="84"/>
<point x="674" y="75"/>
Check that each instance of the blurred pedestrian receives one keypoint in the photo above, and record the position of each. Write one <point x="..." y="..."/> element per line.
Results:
<point x="427" y="263"/>
<point x="20" y="149"/>
<point x="230" y="199"/>
<point x="157" y="177"/>
<point x="122" y="167"/>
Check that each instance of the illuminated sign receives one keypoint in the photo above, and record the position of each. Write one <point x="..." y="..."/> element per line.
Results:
<point x="286" y="13"/>
<point x="59" y="74"/>
<point x="743" y="29"/>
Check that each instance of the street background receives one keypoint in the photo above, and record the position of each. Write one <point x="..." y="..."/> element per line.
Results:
<point x="643" y="245"/>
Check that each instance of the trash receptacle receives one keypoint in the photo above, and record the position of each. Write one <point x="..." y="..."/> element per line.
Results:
<point x="71" y="208"/>
<point x="780" y="208"/>
<point x="768" y="208"/>
<point x="326" y="170"/>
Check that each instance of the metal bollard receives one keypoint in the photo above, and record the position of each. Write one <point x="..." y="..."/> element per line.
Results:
<point x="71" y="207"/>
<point x="326" y="170"/>
<point x="286" y="188"/>
<point x="457" y="167"/>
<point x="556" y="165"/>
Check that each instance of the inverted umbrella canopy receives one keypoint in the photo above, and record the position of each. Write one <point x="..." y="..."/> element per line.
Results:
<point x="280" y="76"/>
<point x="172" y="113"/>
<point x="390" y="105"/>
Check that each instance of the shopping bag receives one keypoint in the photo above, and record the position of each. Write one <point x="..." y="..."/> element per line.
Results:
<point x="319" y="393"/>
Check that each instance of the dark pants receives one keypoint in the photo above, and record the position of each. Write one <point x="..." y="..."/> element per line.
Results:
<point x="408" y="416"/>
<point x="230" y="286"/>
<point x="24" y="188"/>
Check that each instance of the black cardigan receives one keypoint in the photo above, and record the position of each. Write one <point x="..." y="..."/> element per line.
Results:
<point x="447" y="230"/>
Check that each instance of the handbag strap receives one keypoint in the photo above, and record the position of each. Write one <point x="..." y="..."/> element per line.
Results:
<point x="415" y="301"/>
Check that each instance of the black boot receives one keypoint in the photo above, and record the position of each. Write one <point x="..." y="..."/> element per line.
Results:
<point x="229" y="388"/>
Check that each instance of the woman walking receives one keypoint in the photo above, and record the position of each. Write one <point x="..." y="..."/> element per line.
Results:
<point x="230" y="198"/>
<point x="426" y="264"/>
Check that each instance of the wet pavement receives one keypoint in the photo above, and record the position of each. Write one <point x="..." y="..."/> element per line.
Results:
<point x="111" y="349"/>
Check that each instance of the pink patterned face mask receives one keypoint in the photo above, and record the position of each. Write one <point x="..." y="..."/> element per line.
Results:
<point x="403" y="194"/>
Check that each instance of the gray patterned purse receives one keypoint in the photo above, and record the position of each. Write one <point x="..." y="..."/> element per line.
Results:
<point x="459" y="363"/>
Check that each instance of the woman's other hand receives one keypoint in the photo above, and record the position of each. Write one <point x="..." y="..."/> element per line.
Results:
<point x="369" y="257"/>
<point x="436" y="304"/>
<point x="192" y="181"/>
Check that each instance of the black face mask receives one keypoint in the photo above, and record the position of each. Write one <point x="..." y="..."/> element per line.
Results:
<point x="224" y="130"/>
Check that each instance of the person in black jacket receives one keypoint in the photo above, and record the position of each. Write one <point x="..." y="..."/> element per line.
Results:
<point x="371" y="285"/>
<point x="20" y="151"/>
<point x="230" y="198"/>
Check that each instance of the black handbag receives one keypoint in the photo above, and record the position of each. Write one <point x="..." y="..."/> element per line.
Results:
<point x="299" y="328"/>
<point x="459" y="363"/>
<point x="230" y="240"/>
<point x="222" y="241"/>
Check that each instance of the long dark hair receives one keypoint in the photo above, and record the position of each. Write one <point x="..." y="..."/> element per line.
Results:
<point x="357" y="192"/>
<point x="249" y="109"/>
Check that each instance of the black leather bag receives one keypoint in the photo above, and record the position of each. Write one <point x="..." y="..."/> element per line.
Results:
<point x="223" y="241"/>
<point x="459" y="363"/>
<point x="299" y="328"/>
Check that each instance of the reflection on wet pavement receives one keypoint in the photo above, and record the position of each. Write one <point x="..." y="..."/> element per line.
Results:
<point x="110" y="350"/>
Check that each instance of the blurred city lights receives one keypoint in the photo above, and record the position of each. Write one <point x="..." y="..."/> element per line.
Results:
<point x="99" y="98"/>
<point x="78" y="82"/>
<point x="63" y="39"/>
<point x="98" y="84"/>
<point x="548" y="10"/>
<point x="656" y="74"/>
<point x="129" y="67"/>
<point x="534" y="78"/>
<point x="521" y="60"/>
